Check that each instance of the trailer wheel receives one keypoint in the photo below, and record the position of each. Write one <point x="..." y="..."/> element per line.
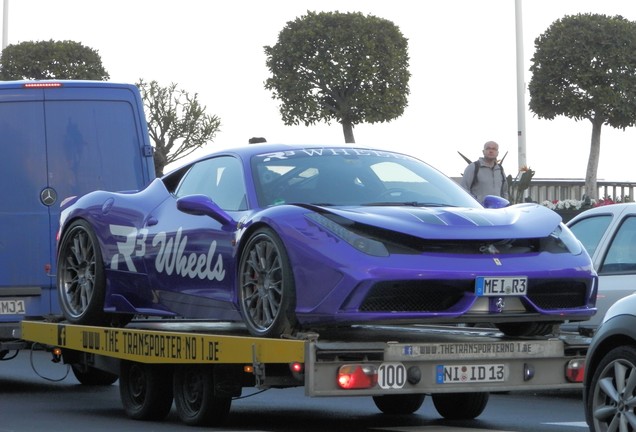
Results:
<point x="145" y="390"/>
<point x="91" y="376"/>
<point x="266" y="291"/>
<point x="399" y="404"/>
<point x="194" y="397"/>
<point x="460" y="406"/>
<point x="609" y="400"/>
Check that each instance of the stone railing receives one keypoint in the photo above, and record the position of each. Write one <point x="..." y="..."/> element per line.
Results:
<point x="565" y="189"/>
<point x="541" y="190"/>
<point x="573" y="189"/>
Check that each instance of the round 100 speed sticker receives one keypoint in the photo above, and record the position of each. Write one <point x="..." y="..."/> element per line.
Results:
<point x="391" y="375"/>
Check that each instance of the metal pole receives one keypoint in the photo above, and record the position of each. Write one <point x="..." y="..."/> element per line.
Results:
<point x="521" y="88"/>
<point x="5" y="24"/>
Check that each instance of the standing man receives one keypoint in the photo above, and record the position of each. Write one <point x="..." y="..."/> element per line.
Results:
<point x="486" y="176"/>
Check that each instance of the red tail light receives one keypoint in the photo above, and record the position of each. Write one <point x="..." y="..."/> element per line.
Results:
<point x="575" y="370"/>
<point x="357" y="376"/>
<point x="42" y="85"/>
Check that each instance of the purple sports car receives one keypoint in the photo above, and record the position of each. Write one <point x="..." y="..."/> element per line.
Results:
<point x="286" y="238"/>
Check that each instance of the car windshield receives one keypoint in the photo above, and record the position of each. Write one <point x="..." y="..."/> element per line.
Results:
<point x="352" y="177"/>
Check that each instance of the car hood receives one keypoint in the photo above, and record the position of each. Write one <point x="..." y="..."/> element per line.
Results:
<point x="516" y="221"/>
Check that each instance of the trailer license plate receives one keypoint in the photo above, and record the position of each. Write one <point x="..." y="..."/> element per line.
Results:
<point x="501" y="286"/>
<point x="392" y="375"/>
<point x="466" y="374"/>
<point x="12" y="307"/>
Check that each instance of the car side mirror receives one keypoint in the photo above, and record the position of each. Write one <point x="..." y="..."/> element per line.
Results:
<point x="202" y="205"/>
<point x="495" y="202"/>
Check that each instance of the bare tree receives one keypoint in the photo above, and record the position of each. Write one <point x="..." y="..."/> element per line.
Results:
<point x="177" y="122"/>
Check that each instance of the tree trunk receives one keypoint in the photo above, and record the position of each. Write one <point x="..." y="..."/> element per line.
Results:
<point x="160" y="160"/>
<point x="347" y="128"/>
<point x="591" y="189"/>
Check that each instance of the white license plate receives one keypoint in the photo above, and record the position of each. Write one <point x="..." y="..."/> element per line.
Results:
<point x="392" y="375"/>
<point x="501" y="286"/>
<point x="12" y="307"/>
<point x="467" y="374"/>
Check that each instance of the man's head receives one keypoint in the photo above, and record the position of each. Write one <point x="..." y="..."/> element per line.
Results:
<point x="491" y="151"/>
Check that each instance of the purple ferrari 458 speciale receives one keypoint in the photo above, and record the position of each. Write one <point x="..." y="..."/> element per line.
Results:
<point x="288" y="238"/>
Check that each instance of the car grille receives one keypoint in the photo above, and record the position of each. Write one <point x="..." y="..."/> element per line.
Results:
<point x="441" y="295"/>
<point x="549" y="294"/>
<point x="413" y="296"/>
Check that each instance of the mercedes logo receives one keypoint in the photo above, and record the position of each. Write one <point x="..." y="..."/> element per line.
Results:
<point x="48" y="196"/>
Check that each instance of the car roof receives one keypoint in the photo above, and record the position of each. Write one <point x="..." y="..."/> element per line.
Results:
<point x="260" y="148"/>
<point x="248" y="150"/>
<point x="614" y="209"/>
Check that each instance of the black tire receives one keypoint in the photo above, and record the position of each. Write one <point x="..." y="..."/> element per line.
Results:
<point x="194" y="397"/>
<point x="145" y="390"/>
<point x="90" y="376"/>
<point x="526" y="328"/>
<point x="460" y="406"/>
<point x="81" y="281"/>
<point x="610" y="396"/>
<point x="400" y="404"/>
<point x="266" y="291"/>
<point x="80" y="276"/>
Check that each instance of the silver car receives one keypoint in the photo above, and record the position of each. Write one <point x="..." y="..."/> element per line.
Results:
<point x="608" y="233"/>
<point x="610" y="370"/>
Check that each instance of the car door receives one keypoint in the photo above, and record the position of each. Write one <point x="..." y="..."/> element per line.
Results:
<point x="617" y="265"/>
<point x="192" y="258"/>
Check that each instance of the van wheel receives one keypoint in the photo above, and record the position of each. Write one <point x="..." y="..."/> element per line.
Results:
<point x="90" y="376"/>
<point x="80" y="276"/>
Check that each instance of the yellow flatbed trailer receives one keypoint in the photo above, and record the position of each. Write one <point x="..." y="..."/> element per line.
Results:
<point x="202" y="366"/>
<point x="179" y="343"/>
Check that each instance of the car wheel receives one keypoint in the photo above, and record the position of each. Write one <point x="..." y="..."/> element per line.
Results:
<point x="399" y="404"/>
<point x="266" y="291"/>
<point x="460" y="406"/>
<point x="195" y="399"/>
<point x="145" y="390"/>
<point x="610" y="405"/>
<point x="526" y="328"/>
<point x="80" y="276"/>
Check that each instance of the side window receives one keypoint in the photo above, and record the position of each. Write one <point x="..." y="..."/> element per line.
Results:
<point x="219" y="178"/>
<point x="590" y="231"/>
<point x="621" y="254"/>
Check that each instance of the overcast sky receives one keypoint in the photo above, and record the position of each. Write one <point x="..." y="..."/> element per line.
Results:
<point x="462" y="60"/>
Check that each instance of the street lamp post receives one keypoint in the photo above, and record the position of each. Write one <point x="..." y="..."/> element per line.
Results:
<point x="521" y="88"/>
<point x="5" y="23"/>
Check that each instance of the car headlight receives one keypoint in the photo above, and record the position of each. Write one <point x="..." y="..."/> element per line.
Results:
<point x="567" y="240"/>
<point x="363" y="244"/>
